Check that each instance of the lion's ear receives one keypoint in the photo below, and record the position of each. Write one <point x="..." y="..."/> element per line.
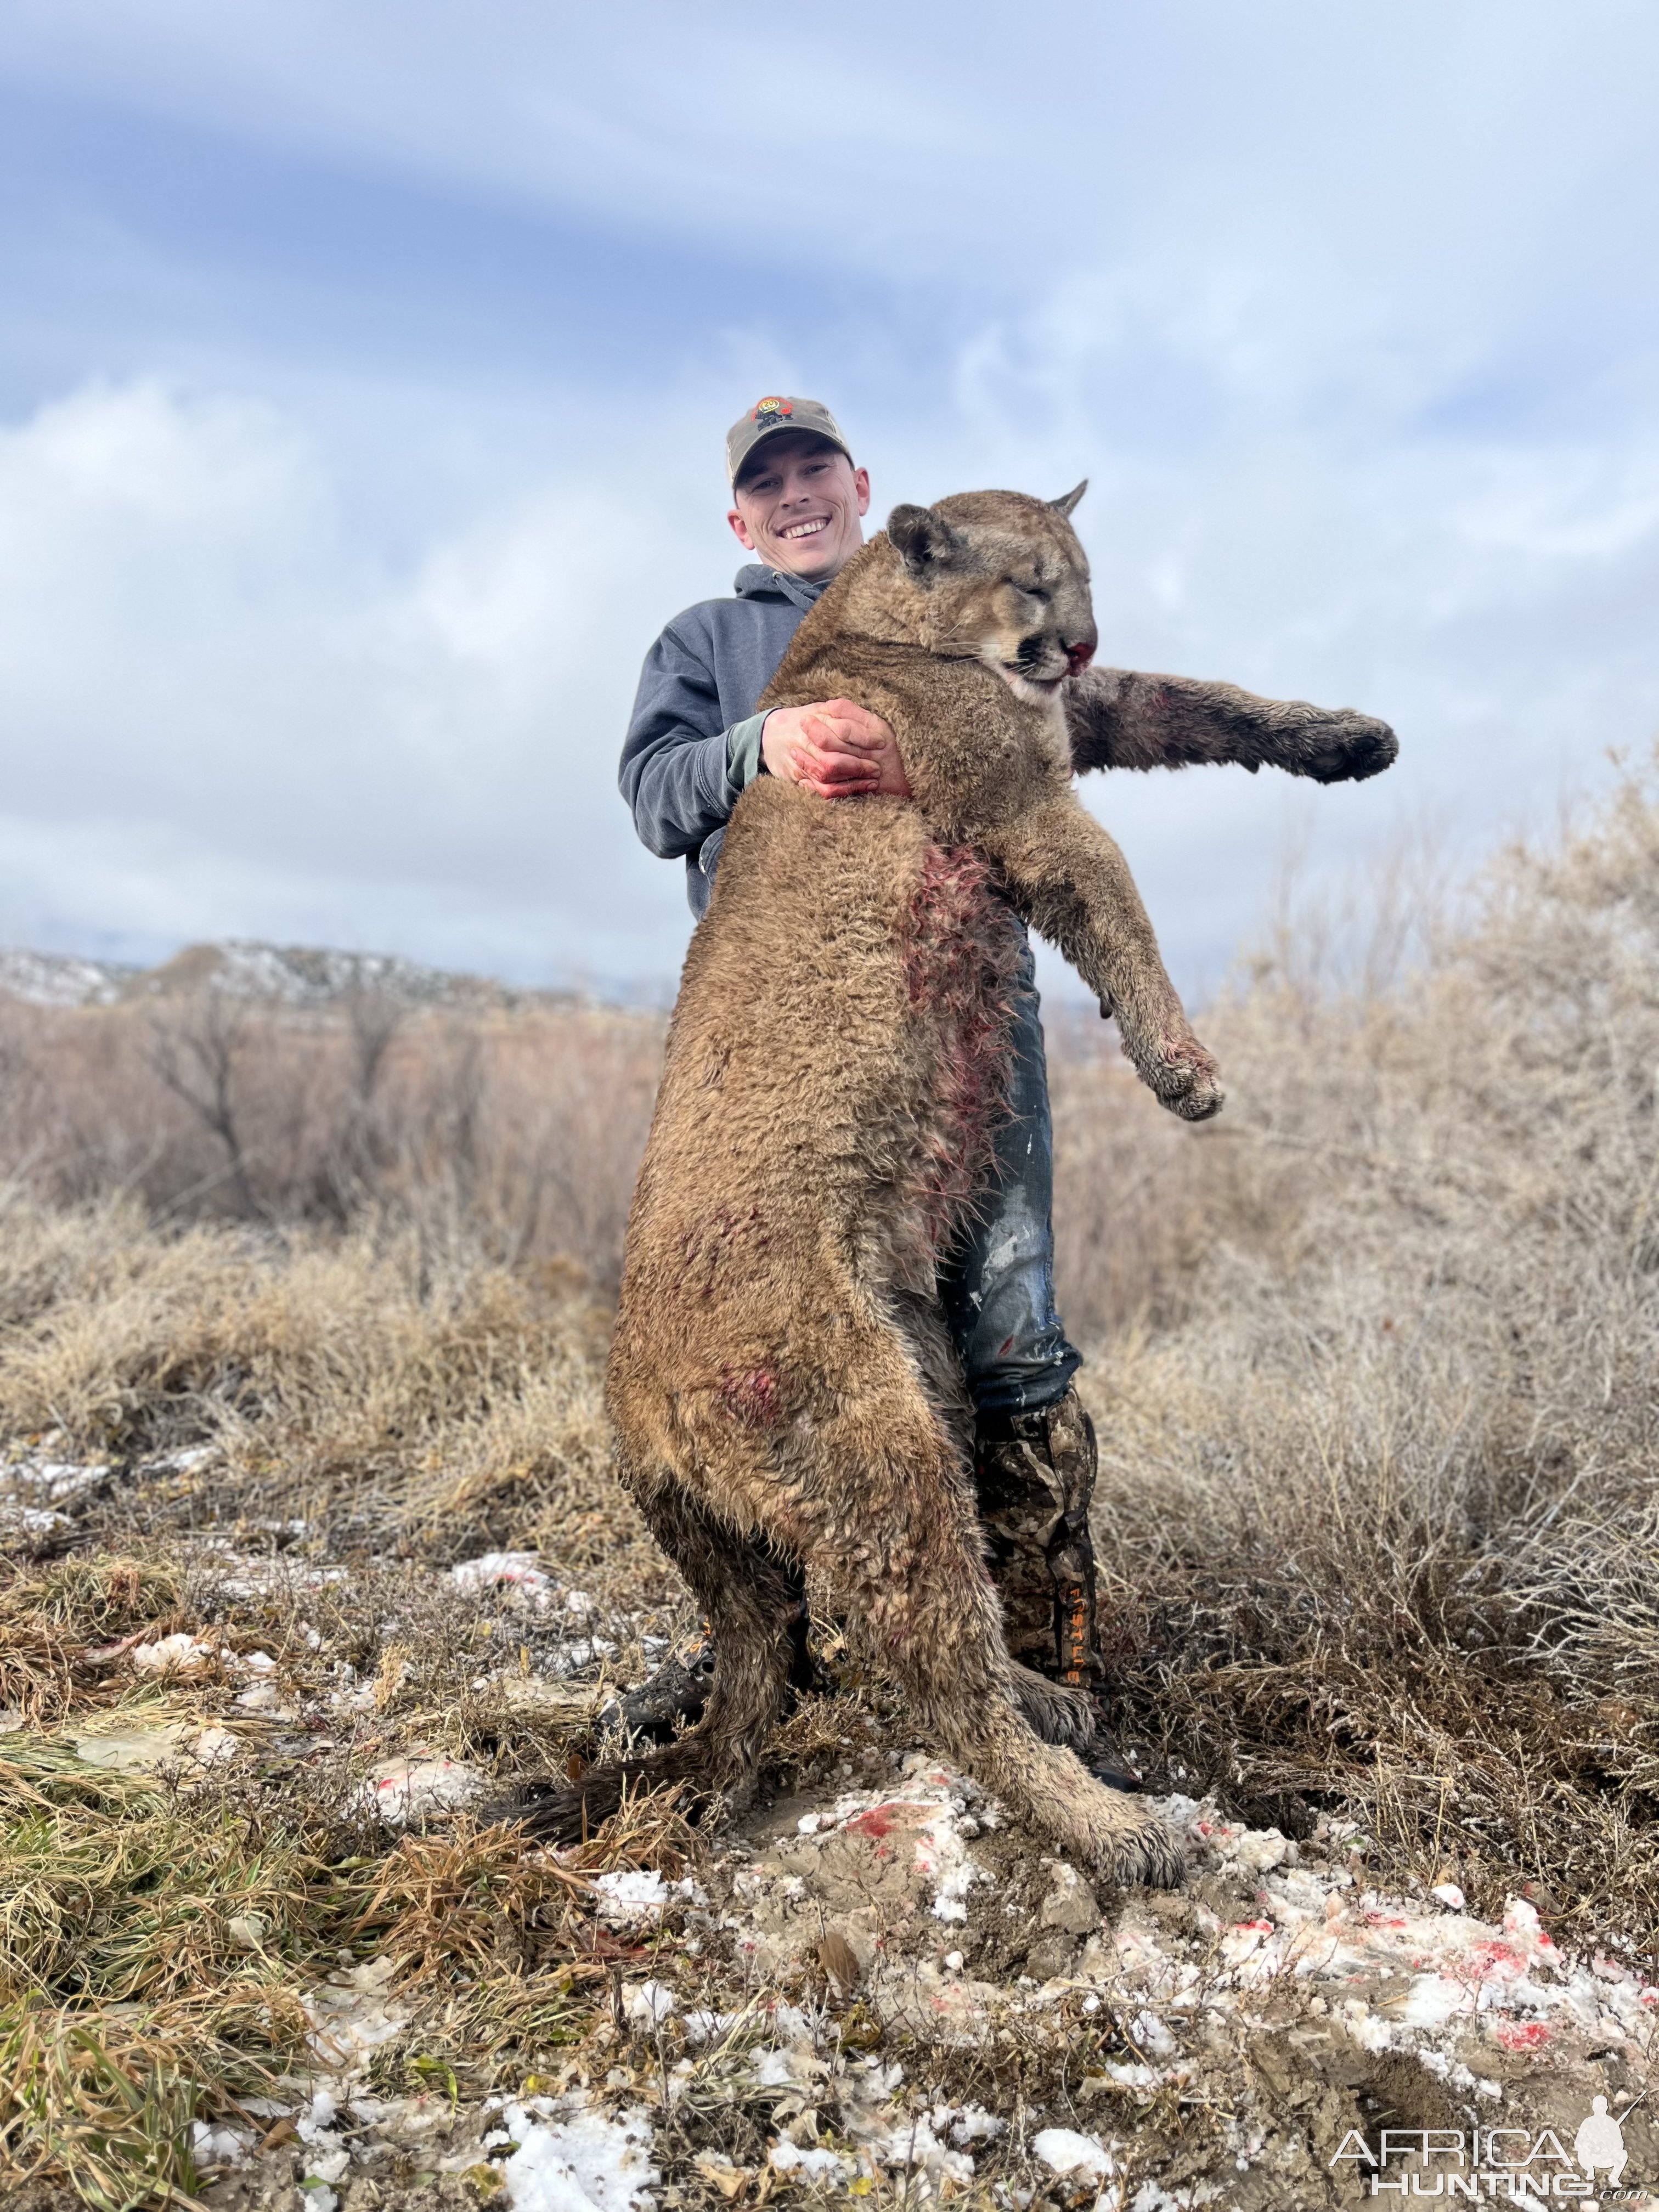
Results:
<point x="1065" y="505"/>
<point x="925" y="540"/>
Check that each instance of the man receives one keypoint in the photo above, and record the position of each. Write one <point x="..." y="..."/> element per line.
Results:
<point x="694" y="744"/>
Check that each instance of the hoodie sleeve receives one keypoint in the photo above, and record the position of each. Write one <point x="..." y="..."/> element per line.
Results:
<point x="682" y="771"/>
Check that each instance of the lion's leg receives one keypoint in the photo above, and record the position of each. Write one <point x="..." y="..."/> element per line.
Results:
<point x="752" y="1601"/>
<point x="1067" y="877"/>
<point x="1117" y="719"/>
<point x="901" y="1554"/>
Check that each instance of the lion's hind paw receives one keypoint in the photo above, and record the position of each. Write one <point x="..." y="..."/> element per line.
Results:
<point x="1155" y="1857"/>
<point x="1128" y="1844"/>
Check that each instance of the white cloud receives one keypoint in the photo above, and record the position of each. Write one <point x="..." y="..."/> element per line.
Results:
<point x="224" y="716"/>
<point x="1371" y="146"/>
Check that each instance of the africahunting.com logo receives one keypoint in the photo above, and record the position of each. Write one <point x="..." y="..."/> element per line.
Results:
<point x="1509" y="2162"/>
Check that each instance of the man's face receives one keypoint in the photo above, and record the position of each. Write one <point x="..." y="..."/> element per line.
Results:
<point x="797" y="504"/>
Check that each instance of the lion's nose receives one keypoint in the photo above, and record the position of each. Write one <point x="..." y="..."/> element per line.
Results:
<point x="1078" y="658"/>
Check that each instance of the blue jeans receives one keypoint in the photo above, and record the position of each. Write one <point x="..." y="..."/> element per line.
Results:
<point x="998" y="1286"/>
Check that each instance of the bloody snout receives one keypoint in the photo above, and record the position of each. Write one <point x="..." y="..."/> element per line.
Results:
<point x="1078" y="657"/>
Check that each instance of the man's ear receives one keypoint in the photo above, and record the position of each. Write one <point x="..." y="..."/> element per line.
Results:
<point x="925" y="540"/>
<point x="1065" y="505"/>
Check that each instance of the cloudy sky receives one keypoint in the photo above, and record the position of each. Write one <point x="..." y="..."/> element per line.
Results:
<point x="364" y="364"/>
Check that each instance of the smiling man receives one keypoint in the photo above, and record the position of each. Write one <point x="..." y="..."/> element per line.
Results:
<point x="694" y="742"/>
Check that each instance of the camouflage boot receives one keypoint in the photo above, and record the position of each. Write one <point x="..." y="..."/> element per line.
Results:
<point x="1035" y="1475"/>
<point x="1035" y="1472"/>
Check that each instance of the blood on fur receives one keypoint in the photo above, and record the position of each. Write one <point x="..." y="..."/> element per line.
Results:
<point x="959" y="950"/>
<point x="750" y="1396"/>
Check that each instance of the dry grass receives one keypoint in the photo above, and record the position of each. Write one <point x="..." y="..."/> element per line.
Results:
<point x="1375" y="1375"/>
<point x="350" y="1382"/>
<point x="107" y="2105"/>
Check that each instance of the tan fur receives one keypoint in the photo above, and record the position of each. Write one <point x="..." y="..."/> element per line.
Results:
<point x="790" y="1412"/>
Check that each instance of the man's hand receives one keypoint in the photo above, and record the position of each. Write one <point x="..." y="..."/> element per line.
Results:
<point x="834" y="748"/>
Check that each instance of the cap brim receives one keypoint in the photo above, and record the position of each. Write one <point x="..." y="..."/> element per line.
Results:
<point x="788" y="430"/>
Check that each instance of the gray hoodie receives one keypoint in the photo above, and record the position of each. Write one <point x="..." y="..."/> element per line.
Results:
<point x="693" y="741"/>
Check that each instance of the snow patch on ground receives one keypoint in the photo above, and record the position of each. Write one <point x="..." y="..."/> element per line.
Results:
<point x="1508" y="1983"/>
<point x="911" y="1838"/>
<point x="1076" y="2157"/>
<point x="519" y="1577"/>
<point x="586" y="2161"/>
<point x="522" y="1577"/>
<point x="175" y="1654"/>
<point x="352" y="2015"/>
<point x="1357" y="1968"/>
<point x="33" y="1489"/>
<point x="789" y="2157"/>
<point x="156" y="1747"/>
<point x="517" y="1573"/>
<point x="635" y="1898"/>
<point x="419" y="1783"/>
<point x="646" y="2004"/>
<point x="50" y="1480"/>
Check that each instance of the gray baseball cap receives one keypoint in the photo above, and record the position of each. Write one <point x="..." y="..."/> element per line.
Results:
<point x="776" y="413"/>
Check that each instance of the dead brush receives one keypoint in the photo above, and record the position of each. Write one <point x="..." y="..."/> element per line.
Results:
<point x="714" y="2121"/>
<point x="138" y="1896"/>
<point x="471" y="1901"/>
<point x="495" y="2033"/>
<point x="819" y="1731"/>
<point x="649" y="1834"/>
<point x="512" y="1135"/>
<point x="38" y="1669"/>
<point x="499" y="1956"/>
<point x="78" y="1603"/>
<point x="1378" y="1501"/>
<point x="390" y="1405"/>
<point x="157" y="1950"/>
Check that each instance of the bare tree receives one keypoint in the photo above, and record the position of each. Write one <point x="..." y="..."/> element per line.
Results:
<point x="194" y="1050"/>
<point x="373" y="1019"/>
<point x="358" y="1156"/>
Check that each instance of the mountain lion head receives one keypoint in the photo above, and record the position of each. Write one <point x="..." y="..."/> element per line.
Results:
<point x="1002" y="579"/>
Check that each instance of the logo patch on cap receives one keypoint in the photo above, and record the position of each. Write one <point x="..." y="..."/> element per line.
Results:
<point x="767" y="411"/>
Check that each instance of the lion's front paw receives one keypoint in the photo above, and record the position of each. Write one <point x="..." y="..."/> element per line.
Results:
<point x="1349" y="747"/>
<point x="1184" y="1077"/>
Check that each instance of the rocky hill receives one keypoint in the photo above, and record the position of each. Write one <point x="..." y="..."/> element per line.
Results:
<point x="287" y="975"/>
